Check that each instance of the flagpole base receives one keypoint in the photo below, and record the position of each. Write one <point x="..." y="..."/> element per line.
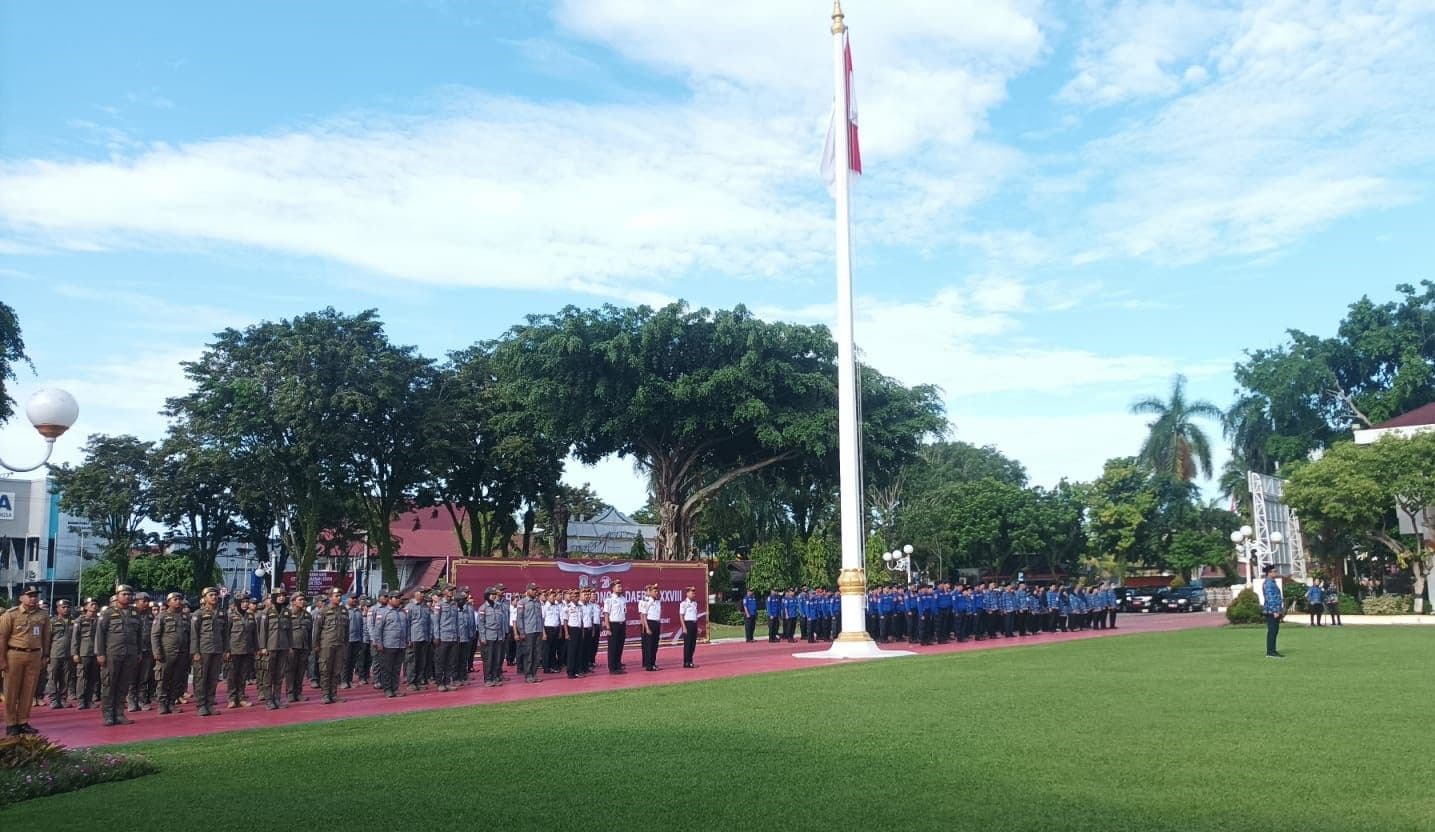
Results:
<point x="859" y="646"/>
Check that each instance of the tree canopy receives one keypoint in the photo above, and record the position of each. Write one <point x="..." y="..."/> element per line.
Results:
<point x="12" y="353"/>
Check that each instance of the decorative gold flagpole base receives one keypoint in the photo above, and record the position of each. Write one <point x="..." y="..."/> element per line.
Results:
<point x="853" y="642"/>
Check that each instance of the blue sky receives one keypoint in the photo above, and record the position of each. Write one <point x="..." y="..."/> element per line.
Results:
<point x="1063" y="205"/>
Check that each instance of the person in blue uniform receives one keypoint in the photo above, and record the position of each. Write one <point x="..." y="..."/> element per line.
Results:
<point x="790" y="611"/>
<point x="991" y="609"/>
<point x="1273" y="606"/>
<point x="886" y="602"/>
<point x="774" y="615"/>
<point x="1315" y="602"/>
<point x="910" y="623"/>
<point x="749" y="615"/>
<point x="1053" y="608"/>
<point x="944" y="612"/>
<point x="962" y="613"/>
<point x="1008" y="611"/>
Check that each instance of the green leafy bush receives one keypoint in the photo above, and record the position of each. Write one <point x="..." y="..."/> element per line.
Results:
<point x="1349" y="606"/>
<point x="730" y="614"/>
<point x="1388" y="605"/>
<point x="1178" y="582"/>
<point x="1246" y="609"/>
<point x="1295" y="594"/>
<point x="48" y="769"/>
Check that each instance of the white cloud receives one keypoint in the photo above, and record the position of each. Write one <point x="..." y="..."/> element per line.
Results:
<point x="1309" y="112"/>
<point x="1139" y="49"/>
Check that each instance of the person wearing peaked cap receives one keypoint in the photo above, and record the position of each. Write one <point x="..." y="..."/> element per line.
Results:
<point x="301" y="643"/>
<point x="356" y="658"/>
<point x="141" y="692"/>
<point x="25" y="640"/>
<point x="242" y="636"/>
<point x="117" y="651"/>
<point x="208" y="641"/>
<point x="169" y="644"/>
<point x="688" y="614"/>
<point x="83" y="655"/>
<point x="528" y="624"/>
<point x="492" y="628"/>
<point x="62" y="671"/>
<point x="615" y="619"/>
<point x="331" y="643"/>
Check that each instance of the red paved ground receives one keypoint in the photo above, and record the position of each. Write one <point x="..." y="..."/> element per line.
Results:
<point x="77" y="728"/>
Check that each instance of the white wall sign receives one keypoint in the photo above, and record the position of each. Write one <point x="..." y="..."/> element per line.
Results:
<point x="7" y="505"/>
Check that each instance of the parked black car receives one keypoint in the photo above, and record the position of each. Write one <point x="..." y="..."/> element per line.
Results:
<point x="1185" y="599"/>
<point x="1137" y="599"/>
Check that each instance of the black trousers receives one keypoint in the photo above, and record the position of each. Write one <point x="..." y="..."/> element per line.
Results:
<point x="575" y="653"/>
<point x="391" y="660"/>
<point x="416" y="660"/>
<point x="884" y="626"/>
<point x="650" y="645"/>
<point x="493" y="660"/>
<point x="591" y="636"/>
<point x="358" y="664"/>
<point x="749" y="624"/>
<point x="1273" y="628"/>
<point x="552" y="655"/>
<point x="617" y="635"/>
<point x="690" y="642"/>
<point x="772" y="624"/>
<point x="1111" y="619"/>
<point x="789" y="629"/>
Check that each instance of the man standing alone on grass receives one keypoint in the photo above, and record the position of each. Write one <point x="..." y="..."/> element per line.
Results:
<point x="1273" y="605"/>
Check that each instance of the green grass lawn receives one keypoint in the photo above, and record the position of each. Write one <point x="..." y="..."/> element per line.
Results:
<point x="1182" y="731"/>
<point x="717" y="631"/>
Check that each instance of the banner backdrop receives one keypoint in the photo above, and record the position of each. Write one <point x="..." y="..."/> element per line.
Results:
<point x="672" y="578"/>
<point x="319" y="582"/>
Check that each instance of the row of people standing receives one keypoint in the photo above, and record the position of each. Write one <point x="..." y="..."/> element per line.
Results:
<point x="943" y="611"/>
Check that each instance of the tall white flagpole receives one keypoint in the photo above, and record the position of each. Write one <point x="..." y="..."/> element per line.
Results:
<point x="853" y="642"/>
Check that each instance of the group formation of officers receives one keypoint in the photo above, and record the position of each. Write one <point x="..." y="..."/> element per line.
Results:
<point x="928" y="613"/>
<point x="129" y="656"/>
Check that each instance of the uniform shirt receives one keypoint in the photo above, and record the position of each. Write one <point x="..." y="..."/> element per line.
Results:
<point x="84" y="639"/>
<point x="22" y="629"/>
<point x="616" y="607"/>
<point x="169" y="637"/>
<point x="242" y="635"/>
<point x="592" y="615"/>
<point x="301" y="630"/>
<point x="356" y="625"/>
<point x="1272" y="602"/>
<point x="331" y="627"/>
<point x="446" y="625"/>
<point x="492" y="621"/>
<point x="208" y="631"/>
<point x="62" y="632"/>
<point x="688" y="610"/>
<point x="790" y="607"/>
<point x="391" y="630"/>
<point x="573" y="615"/>
<point x="552" y="614"/>
<point x="655" y="609"/>
<point x="420" y="622"/>
<point x="118" y="633"/>
<point x="529" y="620"/>
<point x="944" y="601"/>
<point x="275" y="629"/>
<point x="1314" y="596"/>
<point x="774" y="605"/>
<point x="749" y="606"/>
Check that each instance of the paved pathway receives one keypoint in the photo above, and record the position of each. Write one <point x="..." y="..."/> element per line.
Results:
<point x="715" y="661"/>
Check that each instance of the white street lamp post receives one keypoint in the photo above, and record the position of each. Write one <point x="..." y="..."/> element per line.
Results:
<point x="1245" y="539"/>
<point x="900" y="558"/>
<point x="52" y="411"/>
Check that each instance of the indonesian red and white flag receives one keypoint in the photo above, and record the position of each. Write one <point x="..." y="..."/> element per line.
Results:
<point x="829" y="151"/>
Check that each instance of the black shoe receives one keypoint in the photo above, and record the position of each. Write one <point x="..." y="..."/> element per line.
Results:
<point x="26" y="728"/>
<point x="12" y="730"/>
<point x="1274" y="656"/>
<point x="108" y="721"/>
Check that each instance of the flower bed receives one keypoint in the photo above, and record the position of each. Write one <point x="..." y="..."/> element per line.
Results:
<point x="32" y="766"/>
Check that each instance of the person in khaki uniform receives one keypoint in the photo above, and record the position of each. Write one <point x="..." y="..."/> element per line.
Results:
<point x="62" y="670"/>
<point x="301" y="630"/>
<point x="117" y="651"/>
<point x="274" y="642"/>
<point x="330" y="638"/>
<point x="208" y="638"/>
<point x="243" y="643"/>
<point x="25" y="640"/>
<point x="169" y="644"/>
<point x="83" y="645"/>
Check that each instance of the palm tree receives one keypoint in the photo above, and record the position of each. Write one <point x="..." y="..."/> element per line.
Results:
<point x="1175" y="445"/>
<point x="1249" y="428"/>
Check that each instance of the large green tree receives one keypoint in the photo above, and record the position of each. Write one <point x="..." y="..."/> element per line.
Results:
<point x="488" y="457"/>
<point x="1175" y="445"/>
<point x="113" y="489"/>
<point x="1377" y="365"/>
<point x="194" y="495"/>
<point x="697" y="398"/>
<point x="1367" y="490"/>
<point x="287" y="397"/>
<point x="12" y="352"/>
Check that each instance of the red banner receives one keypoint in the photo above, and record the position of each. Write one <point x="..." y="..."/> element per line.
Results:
<point x="318" y="581"/>
<point x="672" y="577"/>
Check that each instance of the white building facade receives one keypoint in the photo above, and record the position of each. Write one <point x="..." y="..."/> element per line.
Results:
<point x="39" y="543"/>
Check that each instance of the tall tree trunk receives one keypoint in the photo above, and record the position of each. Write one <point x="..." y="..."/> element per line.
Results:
<point x="528" y="518"/>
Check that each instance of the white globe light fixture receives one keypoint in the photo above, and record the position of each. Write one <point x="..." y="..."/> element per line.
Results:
<point x="52" y="411"/>
<point x="1247" y="531"/>
<point x="1237" y="537"/>
<point x="907" y="550"/>
<point x="1277" y="538"/>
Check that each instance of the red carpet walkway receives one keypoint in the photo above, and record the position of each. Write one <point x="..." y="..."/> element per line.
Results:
<point x="77" y="728"/>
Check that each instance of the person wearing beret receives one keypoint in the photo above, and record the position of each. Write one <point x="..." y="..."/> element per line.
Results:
<point x="688" y="614"/>
<point x="331" y="642"/>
